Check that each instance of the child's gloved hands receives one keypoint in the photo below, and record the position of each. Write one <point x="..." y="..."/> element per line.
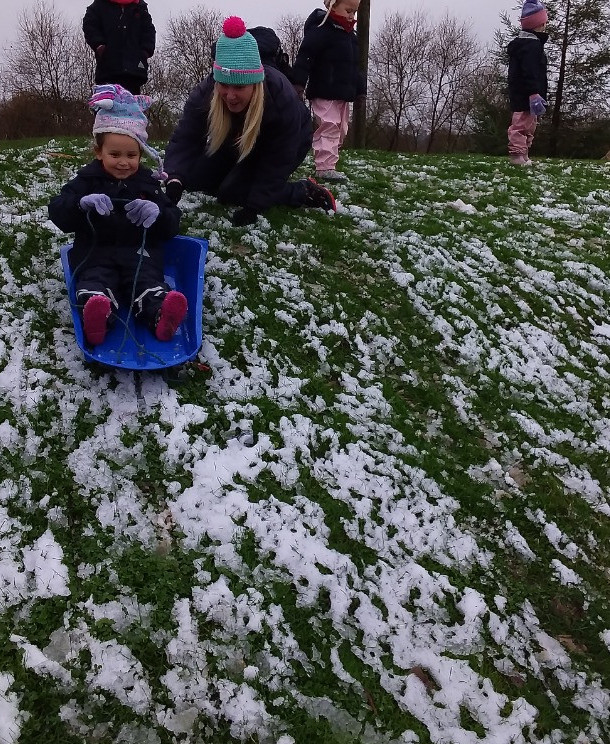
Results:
<point x="537" y="105"/>
<point x="100" y="202"/>
<point x="141" y="212"/>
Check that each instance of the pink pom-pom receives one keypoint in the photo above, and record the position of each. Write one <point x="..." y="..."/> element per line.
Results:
<point x="234" y="27"/>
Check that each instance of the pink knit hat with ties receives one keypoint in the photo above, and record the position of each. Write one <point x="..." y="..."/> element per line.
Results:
<point x="533" y="15"/>
<point x="117" y="111"/>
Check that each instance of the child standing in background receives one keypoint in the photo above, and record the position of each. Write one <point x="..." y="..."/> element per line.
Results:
<point x="120" y="218"/>
<point x="327" y="71"/>
<point x="122" y="36"/>
<point x="527" y="80"/>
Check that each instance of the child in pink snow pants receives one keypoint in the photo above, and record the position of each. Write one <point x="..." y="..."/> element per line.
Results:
<point x="327" y="71"/>
<point x="333" y="123"/>
<point x="527" y="80"/>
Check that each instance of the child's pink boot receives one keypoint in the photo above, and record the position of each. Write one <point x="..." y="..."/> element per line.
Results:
<point x="171" y="314"/>
<point x="95" y="319"/>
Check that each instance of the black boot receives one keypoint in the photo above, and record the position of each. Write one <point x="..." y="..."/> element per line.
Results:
<point x="318" y="196"/>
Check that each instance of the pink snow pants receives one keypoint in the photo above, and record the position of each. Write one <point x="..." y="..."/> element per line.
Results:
<point x="333" y="121"/>
<point x="521" y="132"/>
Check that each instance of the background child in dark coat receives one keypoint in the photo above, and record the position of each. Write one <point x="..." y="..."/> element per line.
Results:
<point x="527" y="80"/>
<point x="121" y="218"/>
<point x="122" y="36"/>
<point x="327" y="68"/>
<point x="242" y="134"/>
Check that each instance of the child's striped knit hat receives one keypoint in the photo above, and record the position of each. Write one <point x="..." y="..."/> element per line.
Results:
<point x="238" y="61"/>
<point x="118" y="111"/>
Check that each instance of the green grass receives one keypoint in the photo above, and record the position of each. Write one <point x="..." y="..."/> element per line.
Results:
<point x="419" y="376"/>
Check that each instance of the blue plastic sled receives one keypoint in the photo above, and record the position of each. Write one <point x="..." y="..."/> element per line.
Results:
<point x="137" y="348"/>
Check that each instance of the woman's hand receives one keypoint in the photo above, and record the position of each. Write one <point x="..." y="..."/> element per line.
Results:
<point x="174" y="190"/>
<point x="244" y="216"/>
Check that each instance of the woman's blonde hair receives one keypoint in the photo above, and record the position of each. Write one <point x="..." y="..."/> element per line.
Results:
<point x="219" y="122"/>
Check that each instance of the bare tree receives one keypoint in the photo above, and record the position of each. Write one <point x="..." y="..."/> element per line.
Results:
<point x="289" y="28"/>
<point x="453" y="58"/>
<point x="489" y="112"/>
<point x="397" y="61"/>
<point x="82" y="64"/>
<point x="49" y="56"/>
<point x="185" y="55"/>
<point x="166" y="106"/>
<point x="49" y="60"/>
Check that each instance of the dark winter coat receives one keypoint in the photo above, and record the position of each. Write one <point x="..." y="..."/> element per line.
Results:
<point x="328" y="62"/>
<point x="115" y="232"/>
<point x="128" y="34"/>
<point x="526" y="69"/>
<point x="270" y="48"/>
<point x="284" y="139"/>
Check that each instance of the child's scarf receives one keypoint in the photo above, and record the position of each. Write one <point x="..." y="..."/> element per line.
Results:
<point x="344" y="22"/>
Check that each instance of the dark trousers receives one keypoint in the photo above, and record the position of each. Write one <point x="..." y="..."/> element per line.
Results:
<point x="220" y="175"/>
<point x="129" y="82"/>
<point x="121" y="276"/>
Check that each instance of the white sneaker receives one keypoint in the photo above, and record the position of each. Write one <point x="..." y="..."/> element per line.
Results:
<point x="331" y="175"/>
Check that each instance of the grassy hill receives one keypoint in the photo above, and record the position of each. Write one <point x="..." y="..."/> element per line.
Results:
<point x="377" y="507"/>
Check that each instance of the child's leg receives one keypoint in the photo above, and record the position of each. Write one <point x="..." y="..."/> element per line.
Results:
<point x="161" y="309"/>
<point x="95" y="318"/>
<point x="344" y="121"/>
<point x="237" y="186"/>
<point x="332" y="120"/>
<point x="209" y="171"/>
<point x="96" y="297"/>
<point x="171" y="314"/>
<point x="154" y="304"/>
<point x="521" y="133"/>
<point x="530" y="134"/>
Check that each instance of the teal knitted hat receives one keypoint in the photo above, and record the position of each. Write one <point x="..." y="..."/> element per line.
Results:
<point x="237" y="61"/>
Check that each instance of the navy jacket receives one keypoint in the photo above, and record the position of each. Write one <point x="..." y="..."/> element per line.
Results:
<point x="284" y="134"/>
<point x="114" y="232"/>
<point x="328" y="63"/>
<point x="128" y="33"/>
<point x="270" y="48"/>
<point x="526" y="69"/>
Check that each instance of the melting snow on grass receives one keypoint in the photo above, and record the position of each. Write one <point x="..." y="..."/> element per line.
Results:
<point x="376" y="508"/>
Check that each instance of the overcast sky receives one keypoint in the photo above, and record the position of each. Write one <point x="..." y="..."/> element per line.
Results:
<point x="482" y="14"/>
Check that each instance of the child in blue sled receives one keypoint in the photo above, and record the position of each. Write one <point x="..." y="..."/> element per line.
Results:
<point x="120" y="218"/>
